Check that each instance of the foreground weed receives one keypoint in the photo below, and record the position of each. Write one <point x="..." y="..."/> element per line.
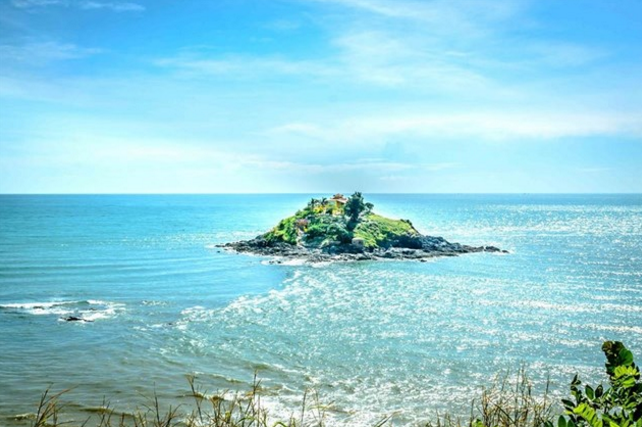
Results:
<point x="510" y="402"/>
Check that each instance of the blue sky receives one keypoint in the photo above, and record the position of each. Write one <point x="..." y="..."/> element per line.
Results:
<point x="180" y="96"/>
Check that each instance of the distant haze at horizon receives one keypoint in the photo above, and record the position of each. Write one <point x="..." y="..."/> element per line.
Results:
<point x="318" y="96"/>
<point x="327" y="193"/>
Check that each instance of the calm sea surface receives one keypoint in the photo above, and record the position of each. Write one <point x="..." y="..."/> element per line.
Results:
<point x="374" y="338"/>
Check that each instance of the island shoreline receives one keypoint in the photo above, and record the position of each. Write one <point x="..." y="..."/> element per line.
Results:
<point x="343" y="229"/>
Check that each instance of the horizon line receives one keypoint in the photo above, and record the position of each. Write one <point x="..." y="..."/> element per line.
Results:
<point x="319" y="192"/>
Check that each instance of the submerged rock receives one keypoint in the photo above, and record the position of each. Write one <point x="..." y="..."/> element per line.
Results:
<point x="75" y="319"/>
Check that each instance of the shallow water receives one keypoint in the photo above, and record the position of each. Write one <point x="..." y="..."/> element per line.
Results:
<point x="374" y="338"/>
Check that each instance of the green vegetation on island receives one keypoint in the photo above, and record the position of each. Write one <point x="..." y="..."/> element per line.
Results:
<point x="339" y="220"/>
<point x="508" y="403"/>
<point x="347" y="229"/>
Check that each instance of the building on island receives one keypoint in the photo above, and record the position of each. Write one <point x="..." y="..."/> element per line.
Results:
<point x="339" y="199"/>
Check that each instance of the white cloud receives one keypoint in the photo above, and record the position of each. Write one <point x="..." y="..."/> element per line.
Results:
<point x="115" y="6"/>
<point x="469" y="18"/>
<point x="303" y="129"/>
<point x="397" y="58"/>
<point x="441" y="47"/>
<point x="80" y="146"/>
<point x="368" y="57"/>
<point x="445" y="58"/>
<point x="564" y="54"/>
<point x="38" y="3"/>
<point x="436" y="167"/>
<point x="594" y="170"/>
<point x="245" y="67"/>
<point x="44" y="52"/>
<point x="84" y="5"/>
<point x="355" y="167"/>
<point x="499" y="125"/>
<point x="283" y="25"/>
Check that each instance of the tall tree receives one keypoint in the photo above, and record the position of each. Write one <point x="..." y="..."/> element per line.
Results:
<point x="353" y="209"/>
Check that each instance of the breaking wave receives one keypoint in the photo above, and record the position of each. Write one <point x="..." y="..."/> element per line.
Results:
<point x="83" y="310"/>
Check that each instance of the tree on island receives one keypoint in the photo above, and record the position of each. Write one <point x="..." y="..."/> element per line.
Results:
<point x="324" y="204"/>
<point x="355" y="208"/>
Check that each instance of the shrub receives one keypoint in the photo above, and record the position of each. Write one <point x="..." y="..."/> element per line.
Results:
<point x="618" y="406"/>
<point x="376" y="230"/>
<point x="285" y="231"/>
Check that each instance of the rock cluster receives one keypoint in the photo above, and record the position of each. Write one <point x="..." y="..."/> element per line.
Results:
<point x="419" y="248"/>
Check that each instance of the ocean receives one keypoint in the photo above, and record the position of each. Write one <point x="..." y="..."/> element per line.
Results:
<point x="397" y="338"/>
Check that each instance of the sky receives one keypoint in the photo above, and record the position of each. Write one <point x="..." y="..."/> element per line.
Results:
<point x="320" y="96"/>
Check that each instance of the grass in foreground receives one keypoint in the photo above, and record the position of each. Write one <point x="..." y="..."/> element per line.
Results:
<point x="508" y="403"/>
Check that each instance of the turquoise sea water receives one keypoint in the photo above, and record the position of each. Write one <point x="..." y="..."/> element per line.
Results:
<point x="374" y="338"/>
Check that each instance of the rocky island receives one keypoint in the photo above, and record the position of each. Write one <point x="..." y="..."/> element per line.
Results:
<point x="346" y="229"/>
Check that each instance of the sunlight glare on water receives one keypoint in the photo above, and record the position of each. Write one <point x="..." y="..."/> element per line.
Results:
<point x="374" y="338"/>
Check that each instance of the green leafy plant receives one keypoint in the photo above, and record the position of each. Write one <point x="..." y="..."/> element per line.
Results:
<point x="375" y="229"/>
<point x="620" y="405"/>
<point x="328" y="227"/>
<point x="285" y="231"/>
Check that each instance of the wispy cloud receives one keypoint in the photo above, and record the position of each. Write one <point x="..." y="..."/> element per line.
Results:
<point x="471" y="16"/>
<point x="245" y="67"/>
<point x="366" y="57"/>
<point x="394" y="59"/>
<point x="81" y="4"/>
<point x="458" y="53"/>
<point x="38" y="3"/>
<point x="499" y="125"/>
<point x="37" y="53"/>
<point x="115" y="6"/>
<point x="283" y="25"/>
<point x="437" y="167"/>
<point x="565" y="54"/>
<point x="323" y="168"/>
<point x="594" y="170"/>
